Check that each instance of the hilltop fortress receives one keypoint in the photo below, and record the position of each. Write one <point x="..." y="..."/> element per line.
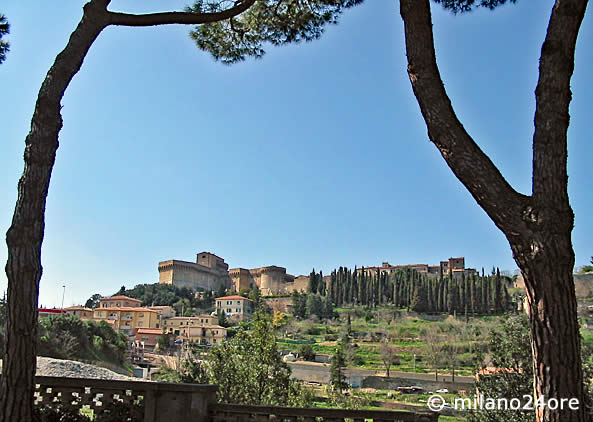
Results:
<point x="453" y="266"/>
<point x="210" y="272"/>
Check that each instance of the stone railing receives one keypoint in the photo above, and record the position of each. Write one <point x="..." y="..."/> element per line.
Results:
<point x="161" y="401"/>
<point x="241" y="413"/>
<point x="167" y="402"/>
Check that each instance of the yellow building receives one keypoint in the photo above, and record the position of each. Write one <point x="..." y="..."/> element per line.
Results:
<point x="128" y="319"/>
<point x="164" y="311"/>
<point x="80" y="311"/>
<point x="119" y="302"/>
<point x="205" y="334"/>
<point x="235" y="307"/>
<point x="172" y="324"/>
<point x="203" y="329"/>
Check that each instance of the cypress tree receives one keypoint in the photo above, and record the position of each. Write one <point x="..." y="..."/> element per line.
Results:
<point x="362" y="287"/>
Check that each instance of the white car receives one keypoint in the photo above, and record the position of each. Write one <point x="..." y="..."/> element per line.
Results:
<point x="443" y="391"/>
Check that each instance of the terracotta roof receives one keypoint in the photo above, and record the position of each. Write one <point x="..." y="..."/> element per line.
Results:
<point x="119" y="297"/>
<point x="149" y="331"/>
<point x="126" y="309"/>
<point x="233" y="298"/>
<point x="52" y="311"/>
<point x="77" y="308"/>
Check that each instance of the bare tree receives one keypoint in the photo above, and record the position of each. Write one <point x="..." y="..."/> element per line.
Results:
<point x="434" y="348"/>
<point x="537" y="226"/>
<point x="388" y="355"/>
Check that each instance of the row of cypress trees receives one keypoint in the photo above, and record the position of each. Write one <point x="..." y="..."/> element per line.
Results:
<point x="405" y="287"/>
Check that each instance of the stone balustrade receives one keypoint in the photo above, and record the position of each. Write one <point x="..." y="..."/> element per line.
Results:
<point x="241" y="413"/>
<point x="168" y="402"/>
<point x="161" y="401"/>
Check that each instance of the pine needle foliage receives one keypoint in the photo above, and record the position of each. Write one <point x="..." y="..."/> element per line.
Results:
<point x="4" y="30"/>
<point x="461" y="6"/>
<point x="276" y="22"/>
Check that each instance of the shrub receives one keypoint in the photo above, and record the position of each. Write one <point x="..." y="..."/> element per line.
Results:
<point x="306" y="351"/>
<point x="313" y="331"/>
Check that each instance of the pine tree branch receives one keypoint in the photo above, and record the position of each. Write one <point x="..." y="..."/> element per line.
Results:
<point x="468" y="162"/>
<point x="553" y="97"/>
<point x="184" y="18"/>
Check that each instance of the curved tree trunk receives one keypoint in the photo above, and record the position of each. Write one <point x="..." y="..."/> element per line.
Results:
<point x="25" y="235"/>
<point x="538" y="227"/>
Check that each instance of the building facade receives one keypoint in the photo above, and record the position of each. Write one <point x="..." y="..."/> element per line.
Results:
<point x="202" y="329"/>
<point x="128" y="319"/>
<point x="46" y="312"/>
<point x="148" y="337"/>
<point x="80" y="311"/>
<point x="209" y="272"/>
<point x="205" y="334"/>
<point x="119" y="301"/>
<point x="235" y="307"/>
<point x="174" y="324"/>
<point x="453" y="266"/>
<point x="164" y="311"/>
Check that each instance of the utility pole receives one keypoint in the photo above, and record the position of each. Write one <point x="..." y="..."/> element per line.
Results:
<point x="63" y="294"/>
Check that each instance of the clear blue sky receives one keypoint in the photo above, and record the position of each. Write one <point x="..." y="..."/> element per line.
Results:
<point x="315" y="156"/>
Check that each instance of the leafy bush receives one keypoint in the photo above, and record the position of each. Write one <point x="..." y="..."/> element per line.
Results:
<point x="57" y="414"/>
<point x="307" y="352"/>
<point x="67" y="337"/>
<point x="247" y="369"/>
<point x="114" y="412"/>
<point x="313" y="331"/>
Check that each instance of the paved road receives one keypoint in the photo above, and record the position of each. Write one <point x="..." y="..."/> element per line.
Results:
<point x="319" y="372"/>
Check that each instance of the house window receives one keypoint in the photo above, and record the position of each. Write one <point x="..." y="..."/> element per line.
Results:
<point x="144" y="338"/>
<point x="141" y="315"/>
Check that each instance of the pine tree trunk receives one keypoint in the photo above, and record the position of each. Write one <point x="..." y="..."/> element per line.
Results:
<point x="554" y="326"/>
<point x="25" y="235"/>
<point x="538" y="227"/>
